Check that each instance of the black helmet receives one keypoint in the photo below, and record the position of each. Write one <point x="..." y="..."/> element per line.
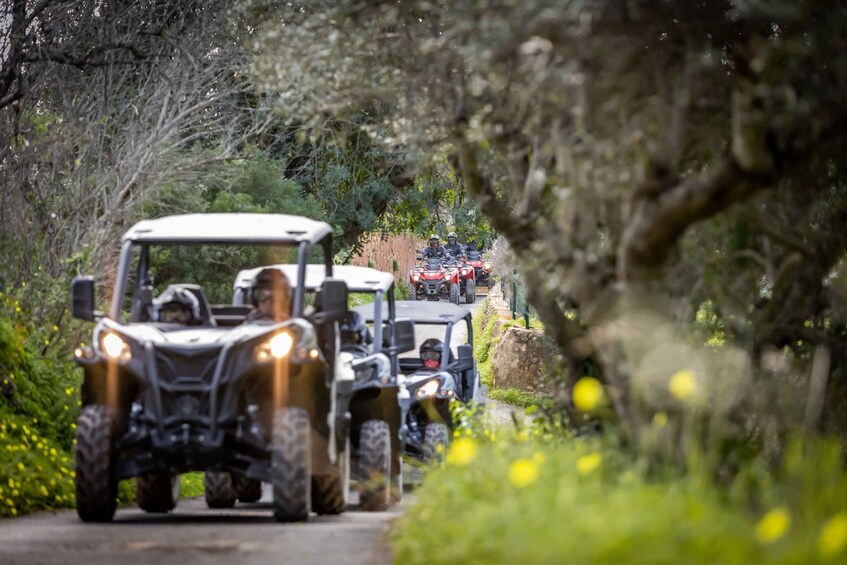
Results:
<point x="178" y="306"/>
<point x="432" y="349"/>
<point x="354" y="330"/>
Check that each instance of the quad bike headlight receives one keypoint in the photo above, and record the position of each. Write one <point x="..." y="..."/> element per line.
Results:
<point x="416" y="278"/>
<point x="276" y="347"/>
<point x="486" y="266"/>
<point x="115" y="347"/>
<point x="464" y="272"/>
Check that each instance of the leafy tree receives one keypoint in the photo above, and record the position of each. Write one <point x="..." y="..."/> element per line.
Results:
<point x="640" y="157"/>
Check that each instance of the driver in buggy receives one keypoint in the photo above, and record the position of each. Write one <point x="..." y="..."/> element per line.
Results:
<point x="431" y="351"/>
<point x="453" y="247"/>
<point x="434" y="251"/>
<point x="271" y="297"/>
<point x="355" y="336"/>
<point x="177" y="306"/>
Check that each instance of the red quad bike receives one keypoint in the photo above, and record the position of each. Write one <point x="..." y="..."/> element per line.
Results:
<point x="482" y="268"/>
<point x="431" y="280"/>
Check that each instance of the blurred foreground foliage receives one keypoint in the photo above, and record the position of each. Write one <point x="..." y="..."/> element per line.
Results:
<point x="533" y="496"/>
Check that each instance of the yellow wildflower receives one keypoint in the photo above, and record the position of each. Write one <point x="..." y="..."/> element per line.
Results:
<point x="773" y="525"/>
<point x="461" y="452"/>
<point x="660" y="419"/>
<point x="44" y="491"/>
<point x="523" y="435"/>
<point x="683" y="384"/>
<point x="523" y="472"/>
<point x="21" y="467"/>
<point x="588" y="463"/>
<point x="833" y="537"/>
<point x="539" y="458"/>
<point x="587" y="394"/>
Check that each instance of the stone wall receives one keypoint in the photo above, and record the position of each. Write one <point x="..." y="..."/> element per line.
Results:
<point x="519" y="356"/>
<point x="382" y="251"/>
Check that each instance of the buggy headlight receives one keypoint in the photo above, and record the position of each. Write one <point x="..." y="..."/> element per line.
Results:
<point x="115" y="347"/>
<point x="430" y="388"/>
<point x="276" y="347"/>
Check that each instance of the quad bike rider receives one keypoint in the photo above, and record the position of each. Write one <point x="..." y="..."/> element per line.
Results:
<point x="453" y="247"/>
<point x="240" y="392"/>
<point x="434" y="250"/>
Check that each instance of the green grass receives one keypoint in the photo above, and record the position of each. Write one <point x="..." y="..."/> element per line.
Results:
<point x="191" y="485"/>
<point x="578" y="501"/>
<point x="516" y="397"/>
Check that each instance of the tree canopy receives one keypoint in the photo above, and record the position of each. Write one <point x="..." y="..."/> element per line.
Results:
<point x="646" y="160"/>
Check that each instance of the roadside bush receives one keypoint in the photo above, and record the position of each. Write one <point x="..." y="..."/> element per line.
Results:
<point x="527" y="499"/>
<point x="38" y="407"/>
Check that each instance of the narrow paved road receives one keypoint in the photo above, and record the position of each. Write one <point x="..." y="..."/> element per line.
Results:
<point x="194" y="534"/>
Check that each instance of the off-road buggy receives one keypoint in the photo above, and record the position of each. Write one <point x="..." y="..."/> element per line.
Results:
<point x="373" y="367"/>
<point x="248" y="399"/>
<point x="426" y="412"/>
<point x="432" y="279"/>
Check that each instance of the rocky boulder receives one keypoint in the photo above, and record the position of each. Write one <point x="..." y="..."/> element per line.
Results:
<point x="519" y="360"/>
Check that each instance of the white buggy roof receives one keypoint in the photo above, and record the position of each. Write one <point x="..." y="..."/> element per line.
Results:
<point x="358" y="279"/>
<point x="228" y="228"/>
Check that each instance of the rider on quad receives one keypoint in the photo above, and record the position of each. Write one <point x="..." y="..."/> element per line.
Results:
<point x="434" y="251"/>
<point x="453" y="247"/>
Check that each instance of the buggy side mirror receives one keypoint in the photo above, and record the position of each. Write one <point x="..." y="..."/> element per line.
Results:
<point x="404" y="336"/>
<point x="82" y="299"/>
<point x="465" y="357"/>
<point x="333" y="300"/>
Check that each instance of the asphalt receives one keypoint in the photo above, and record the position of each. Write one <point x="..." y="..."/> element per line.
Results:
<point x="193" y="533"/>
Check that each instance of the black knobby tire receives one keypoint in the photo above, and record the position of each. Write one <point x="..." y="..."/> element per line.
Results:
<point x="470" y="291"/>
<point x="248" y="490"/>
<point x="435" y="434"/>
<point x="219" y="489"/>
<point x="96" y="486"/>
<point x="291" y="465"/>
<point x="157" y="492"/>
<point x="413" y="292"/>
<point x="329" y="492"/>
<point x="374" y="466"/>
<point x="454" y="294"/>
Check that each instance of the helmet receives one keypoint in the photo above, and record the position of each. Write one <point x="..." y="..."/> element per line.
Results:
<point x="452" y="237"/>
<point x="178" y="306"/>
<point x="354" y="330"/>
<point x="434" y="237"/>
<point x="431" y="351"/>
